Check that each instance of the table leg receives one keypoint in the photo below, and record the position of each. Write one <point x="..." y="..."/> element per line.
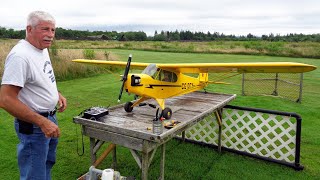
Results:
<point x="183" y="135"/>
<point x="114" y="158"/>
<point x="162" y="162"/>
<point x="104" y="154"/>
<point x="92" y="153"/>
<point x="144" y="165"/>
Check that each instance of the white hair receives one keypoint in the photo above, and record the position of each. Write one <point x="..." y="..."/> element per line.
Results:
<point x="36" y="16"/>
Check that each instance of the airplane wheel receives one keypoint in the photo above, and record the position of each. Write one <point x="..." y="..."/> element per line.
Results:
<point x="127" y="107"/>
<point x="167" y="113"/>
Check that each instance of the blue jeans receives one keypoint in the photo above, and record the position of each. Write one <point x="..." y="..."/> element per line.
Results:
<point x="36" y="153"/>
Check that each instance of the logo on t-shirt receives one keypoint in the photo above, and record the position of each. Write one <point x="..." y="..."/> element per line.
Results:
<point x="47" y="69"/>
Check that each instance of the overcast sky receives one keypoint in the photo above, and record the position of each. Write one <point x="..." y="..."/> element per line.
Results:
<point x="238" y="17"/>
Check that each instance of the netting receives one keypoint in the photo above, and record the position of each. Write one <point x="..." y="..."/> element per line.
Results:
<point x="286" y="85"/>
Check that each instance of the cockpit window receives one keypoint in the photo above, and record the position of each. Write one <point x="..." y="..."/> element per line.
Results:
<point x="150" y="70"/>
<point x="159" y="74"/>
<point x="168" y="76"/>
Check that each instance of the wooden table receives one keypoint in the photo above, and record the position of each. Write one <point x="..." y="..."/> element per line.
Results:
<point x="132" y="130"/>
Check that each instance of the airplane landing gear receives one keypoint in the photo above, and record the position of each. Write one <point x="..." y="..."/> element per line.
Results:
<point x="128" y="106"/>
<point x="167" y="113"/>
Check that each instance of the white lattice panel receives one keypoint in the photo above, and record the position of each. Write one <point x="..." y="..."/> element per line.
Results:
<point x="206" y="131"/>
<point x="267" y="135"/>
<point x="263" y="134"/>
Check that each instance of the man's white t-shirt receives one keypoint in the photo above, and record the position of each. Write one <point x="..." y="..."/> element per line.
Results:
<point x="30" y="68"/>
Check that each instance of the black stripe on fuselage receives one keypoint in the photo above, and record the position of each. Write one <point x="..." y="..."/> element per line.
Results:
<point x="161" y="85"/>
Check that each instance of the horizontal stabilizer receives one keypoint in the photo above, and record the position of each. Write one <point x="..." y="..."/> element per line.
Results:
<point x="215" y="82"/>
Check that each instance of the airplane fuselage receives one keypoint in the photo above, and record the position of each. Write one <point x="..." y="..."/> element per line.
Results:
<point x="160" y="89"/>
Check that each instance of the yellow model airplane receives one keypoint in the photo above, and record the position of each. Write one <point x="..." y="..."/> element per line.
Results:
<point x="162" y="81"/>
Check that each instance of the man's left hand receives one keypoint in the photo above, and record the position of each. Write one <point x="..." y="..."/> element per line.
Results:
<point x="62" y="103"/>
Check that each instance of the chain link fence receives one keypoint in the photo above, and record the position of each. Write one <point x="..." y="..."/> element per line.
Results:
<point x="285" y="85"/>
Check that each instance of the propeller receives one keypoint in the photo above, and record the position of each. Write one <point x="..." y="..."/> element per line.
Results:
<point x="125" y="76"/>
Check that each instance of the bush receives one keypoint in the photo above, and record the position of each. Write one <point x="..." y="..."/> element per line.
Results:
<point x="53" y="50"/>
<point x="107" y="54"/>
<point x="89" y="54"/>
<point x="127" y="45"/>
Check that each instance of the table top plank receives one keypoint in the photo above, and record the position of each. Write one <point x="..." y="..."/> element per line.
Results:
<point x="188" y="109"/>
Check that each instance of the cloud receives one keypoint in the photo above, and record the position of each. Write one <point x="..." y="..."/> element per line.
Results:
<point x="238" y="17"/>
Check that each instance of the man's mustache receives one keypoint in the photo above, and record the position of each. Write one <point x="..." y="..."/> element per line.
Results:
<point x="48" y="39"/>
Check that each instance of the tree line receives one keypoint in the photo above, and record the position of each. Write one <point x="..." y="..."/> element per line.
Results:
<point x="62" y="33"/>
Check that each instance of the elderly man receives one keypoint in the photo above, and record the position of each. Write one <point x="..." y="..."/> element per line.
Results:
<point x="29" y="93"/>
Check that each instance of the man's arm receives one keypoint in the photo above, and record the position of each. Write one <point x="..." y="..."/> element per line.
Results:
<point x="62" y="103"/>
<point x="10" y="102"/>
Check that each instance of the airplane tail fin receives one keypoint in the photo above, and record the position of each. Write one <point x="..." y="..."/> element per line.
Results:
<point x="203" y="77"/>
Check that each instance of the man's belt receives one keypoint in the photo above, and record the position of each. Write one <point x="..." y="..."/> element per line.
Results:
<point x="27" y="128"/>
<point x="49" y="113"/>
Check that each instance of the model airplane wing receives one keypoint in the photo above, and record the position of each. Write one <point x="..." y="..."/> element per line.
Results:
<point x="252" y="67"/>
<point x="259" y="67"/>
<point x="134" y="65"/>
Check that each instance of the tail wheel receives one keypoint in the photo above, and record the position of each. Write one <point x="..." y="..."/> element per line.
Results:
<point x="167" y="113"/>
<point x="128" y="107"/>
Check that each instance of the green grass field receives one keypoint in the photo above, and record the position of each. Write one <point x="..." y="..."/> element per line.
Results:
<point x="183" y="160"/>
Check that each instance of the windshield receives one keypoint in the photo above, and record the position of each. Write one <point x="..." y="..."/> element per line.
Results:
<point x="150" y="70"/>
<point x="160" y="74"/>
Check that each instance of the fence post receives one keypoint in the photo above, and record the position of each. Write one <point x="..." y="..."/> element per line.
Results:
<point x="243" y="84"/>
<point x="300" y="92"/>
<point x="275" y="91"/>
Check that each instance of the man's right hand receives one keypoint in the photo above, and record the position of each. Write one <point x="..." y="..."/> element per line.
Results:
<point x="50" y="129"/>
<point x="10" y="102"/>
